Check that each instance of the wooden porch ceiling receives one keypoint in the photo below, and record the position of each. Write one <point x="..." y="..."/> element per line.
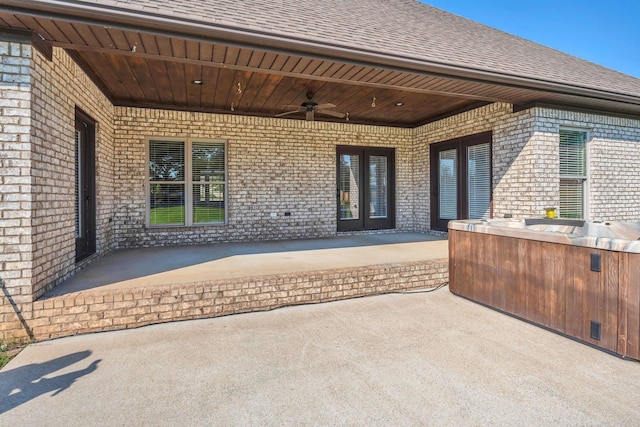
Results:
<point x="149" y="69"/>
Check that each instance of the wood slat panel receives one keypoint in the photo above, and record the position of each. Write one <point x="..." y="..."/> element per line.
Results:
<point x="124" y="72"/>
<point x="206" y="52"/>
<point x="268" y="60"/>
<point x="179" y="48"/>
<point x="279" y="62"/>
<point x="104" y="38"/>
<point x="135" y="41"/>
<point x="244" y="57"/>
<point x="150" y="44"/>
<point x="111" y="78"/>
<point x="271" y="84"/>
<point x="70" y="33"/>
<point x="178" y="85"/>
<point x="210" y="79"/>
<point x="228" y="87"/>
<point x="535" y="282"/>
<point x="611" y="278"/>
<point x="35" y="25"/>
<point x="87" y="35"/>
<point x="284" y="94"/>
<point x="13" y="21"/>
<point x="301" y="65"/>
<point x="140" y="69"/>
<point x="164" y="46"/>
<point x="556" y="295"/>
<point x="322" y="69"/>
<point x="231" y="55"/>
<point x="119" y="39"/>
<point x="219" y="54"/>
<point x="192" y="50"/>
<point x="629" y="309"/>
<point x="290" y="64"/>
<point x="161" y="81"/>
<point x="194" y="92"/>
<point x="552" y="285"/>
<point x="313" y="66"/>
<point x="508" y="272"/>
<point x="250" y="84"/>
<point x="253" y="91"/>
<point x="256" y="59"/>
<point x="342" y="71"/>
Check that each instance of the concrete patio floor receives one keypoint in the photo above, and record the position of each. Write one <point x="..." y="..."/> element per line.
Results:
<point x="400" y="359"/>
<point x="157" y="266"/>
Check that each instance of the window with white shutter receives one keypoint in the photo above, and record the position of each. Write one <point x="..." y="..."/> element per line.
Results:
<point x="573" y="174"/>
<point x="187" y="183"/>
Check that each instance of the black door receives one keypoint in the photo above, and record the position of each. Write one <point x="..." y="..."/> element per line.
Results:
<point x="461" y="185"/>
<point x="366" y="192"/>
<point x="85" y="186"/>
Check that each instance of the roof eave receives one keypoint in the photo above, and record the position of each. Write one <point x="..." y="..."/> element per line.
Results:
<point x="92" y="14"/>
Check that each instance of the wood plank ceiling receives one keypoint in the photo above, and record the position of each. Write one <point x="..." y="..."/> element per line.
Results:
<point x="135" y="68"/>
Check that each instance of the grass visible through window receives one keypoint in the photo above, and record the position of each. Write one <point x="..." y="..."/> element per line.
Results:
<point x="175" y="215"/>
<point x="167" y="215"/>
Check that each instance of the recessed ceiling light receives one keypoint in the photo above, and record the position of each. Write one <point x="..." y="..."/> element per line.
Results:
<point x="197" y="82"/>
<point x="399" y="104"/>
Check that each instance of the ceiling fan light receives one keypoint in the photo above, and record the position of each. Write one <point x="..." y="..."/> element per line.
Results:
<point x="197" y="82"/>
<point x="399" y="104"/>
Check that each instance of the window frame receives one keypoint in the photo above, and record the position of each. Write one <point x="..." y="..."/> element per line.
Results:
<point x="584" y="178"/>
<point x="188" y="182"/>
<point x="365" y="222"/>
<point x="461" y="145"/>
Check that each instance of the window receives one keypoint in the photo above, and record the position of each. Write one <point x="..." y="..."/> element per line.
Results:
<point x="573" y="174"/>
<point x="187" y="183"/>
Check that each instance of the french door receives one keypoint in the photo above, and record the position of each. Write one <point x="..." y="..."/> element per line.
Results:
<point x="85" y="192"/>
<point x="461" y="180"/>
<point x="366" y="191"/>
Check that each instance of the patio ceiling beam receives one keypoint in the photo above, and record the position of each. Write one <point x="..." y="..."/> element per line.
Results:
<point x="150" y="22"/>
<point x="159" y="57"/>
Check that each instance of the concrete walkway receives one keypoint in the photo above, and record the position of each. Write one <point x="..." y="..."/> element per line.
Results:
<point x="418" y="359"/>
<point x="130" y="268"/>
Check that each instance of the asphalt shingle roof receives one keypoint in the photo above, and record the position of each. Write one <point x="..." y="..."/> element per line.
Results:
<point x="403" y="28"/>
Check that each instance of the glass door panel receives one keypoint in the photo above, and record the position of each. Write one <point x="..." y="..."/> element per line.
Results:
<point x="378" y="197"/>
<point x="448" y="184"/>
<point x="349" y="187"/>
<point x="461" y="186"/>
<point x="365" y="188"/>
<point x="479" y="181"/>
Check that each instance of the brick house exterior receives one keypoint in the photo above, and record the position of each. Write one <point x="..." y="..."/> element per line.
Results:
<point x="274" y="165"/>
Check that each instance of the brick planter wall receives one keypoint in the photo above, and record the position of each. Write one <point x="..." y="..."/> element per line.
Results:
<point x="92" y="311"/>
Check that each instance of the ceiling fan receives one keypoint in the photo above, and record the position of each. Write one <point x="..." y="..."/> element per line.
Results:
<point x="310" y="108"/>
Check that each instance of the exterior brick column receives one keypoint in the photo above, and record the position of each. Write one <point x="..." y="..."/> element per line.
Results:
<point x="16" y="249"/>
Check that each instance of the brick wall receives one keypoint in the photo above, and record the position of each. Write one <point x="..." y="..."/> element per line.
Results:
<point x="274" y="165"/>
<point x="613" y="160"/>
<point x="15" y="184"/>
<point x="99" y="310"/>
<point x="516" y="162"/>
<point x="526" y="160"/>
<point x="57" y="87"/>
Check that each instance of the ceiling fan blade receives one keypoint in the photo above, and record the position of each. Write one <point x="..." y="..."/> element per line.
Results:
<point x="310" y="116"/>
<point x="332" y="113"/>
<point x="289" y="112"/>
<point x="293" y="107"/>
<point x="324" y="106"/>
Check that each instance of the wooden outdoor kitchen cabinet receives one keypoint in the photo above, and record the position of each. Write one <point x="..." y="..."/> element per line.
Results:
<point x="552" y="285"/>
